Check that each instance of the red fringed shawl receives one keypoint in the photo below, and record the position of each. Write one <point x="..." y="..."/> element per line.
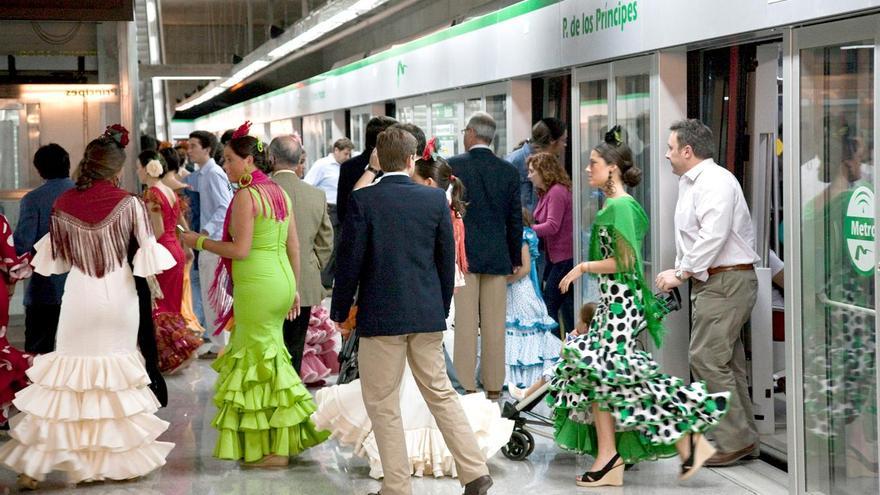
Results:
<point x="273" y="204"/>
<point x="91" y="229"/>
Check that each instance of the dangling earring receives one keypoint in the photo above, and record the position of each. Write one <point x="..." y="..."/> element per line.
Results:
<point x="609" y="186"/>
<point x="245" y="180"/>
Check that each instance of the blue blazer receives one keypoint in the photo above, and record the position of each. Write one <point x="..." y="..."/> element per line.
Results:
<point x="493" y="222"/>
<point x="398" y="254"/>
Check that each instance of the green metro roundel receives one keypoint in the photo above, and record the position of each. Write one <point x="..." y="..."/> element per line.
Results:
<point x="859" y="230"/>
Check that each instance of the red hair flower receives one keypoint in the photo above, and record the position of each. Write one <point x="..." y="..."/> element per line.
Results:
<point x="117" y="133"/>
<point x="430" y="148"/>
<point x="242" y="130"/>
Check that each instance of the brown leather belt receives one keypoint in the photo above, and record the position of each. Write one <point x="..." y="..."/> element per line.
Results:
<point x="734" y="268"/>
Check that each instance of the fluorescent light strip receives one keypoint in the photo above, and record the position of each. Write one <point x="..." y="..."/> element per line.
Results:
<point x="857" y="47"/>
<point x="186" y="78"/>
<point x="350" y="13"/>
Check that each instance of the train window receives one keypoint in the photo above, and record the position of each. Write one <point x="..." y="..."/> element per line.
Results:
<point x="446" y="120"/>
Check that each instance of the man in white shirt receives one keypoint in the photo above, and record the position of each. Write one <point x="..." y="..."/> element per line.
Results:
<point x="715" y="248"/>
<point x="324" y="175"/>
<point x="215" y="194"/>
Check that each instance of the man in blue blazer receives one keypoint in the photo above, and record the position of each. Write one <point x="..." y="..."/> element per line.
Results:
<point x="397" y="252"/>
<point x="493" y="242"/>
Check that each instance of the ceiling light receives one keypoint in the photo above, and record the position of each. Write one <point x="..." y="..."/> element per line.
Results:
<point x="201" y="99"/>
<point x="244" y="73"/>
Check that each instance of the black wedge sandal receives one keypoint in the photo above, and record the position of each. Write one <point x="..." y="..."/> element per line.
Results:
<point x="610" y="475"/>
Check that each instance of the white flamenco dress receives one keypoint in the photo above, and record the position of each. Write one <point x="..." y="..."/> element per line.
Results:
<point x="88" y="411"/>
<point x="341" y="411"/>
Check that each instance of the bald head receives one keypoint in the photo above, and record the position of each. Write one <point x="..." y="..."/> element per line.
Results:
<point x="285" y="152"/>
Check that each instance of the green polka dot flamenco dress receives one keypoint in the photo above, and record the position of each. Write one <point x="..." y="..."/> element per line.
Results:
<point x="652" y="411"/>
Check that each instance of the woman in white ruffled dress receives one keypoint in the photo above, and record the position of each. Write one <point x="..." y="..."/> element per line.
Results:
<point x="89" y="411"/>
<point x="341" y="407"/>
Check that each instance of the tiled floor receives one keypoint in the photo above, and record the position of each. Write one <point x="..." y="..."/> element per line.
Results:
<point x="329" y="469"/>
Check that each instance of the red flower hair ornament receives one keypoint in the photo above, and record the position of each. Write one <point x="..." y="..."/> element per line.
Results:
<point x="242" y="130"/>
<point x="117" y="133"/>
<point x="430" y="149"/>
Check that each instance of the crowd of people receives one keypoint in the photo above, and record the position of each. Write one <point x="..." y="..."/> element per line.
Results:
<point x="231" y="249"/>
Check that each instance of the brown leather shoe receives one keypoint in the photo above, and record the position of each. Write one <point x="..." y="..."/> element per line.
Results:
<point x="479" y="486"/>
<point x="721" y="459"/>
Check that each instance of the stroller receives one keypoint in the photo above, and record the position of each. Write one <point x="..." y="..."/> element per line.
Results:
<point x="527" y="423"/>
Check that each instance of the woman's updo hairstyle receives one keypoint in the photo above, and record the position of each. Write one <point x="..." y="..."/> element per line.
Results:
<point x="246" y="146"/>
<point x="149" y="156"/>
<point x="103" y="158"/>
<point x="172" y="159"/>
<point x="546" y="131"/>
<point x="433" y="166"/>
<point x="615" y="151"/>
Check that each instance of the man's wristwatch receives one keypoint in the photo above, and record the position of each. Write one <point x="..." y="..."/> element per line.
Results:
<point x="679" y="274"/>
<point x="370" y="168"/>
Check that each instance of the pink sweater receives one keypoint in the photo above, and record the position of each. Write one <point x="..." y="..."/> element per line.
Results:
<point x="553" y="223"/>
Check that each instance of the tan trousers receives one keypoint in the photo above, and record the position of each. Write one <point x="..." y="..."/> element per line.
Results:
<point x="721" y="306"/>
<point x="480" y="304"/>
<point x="381" y="362"/>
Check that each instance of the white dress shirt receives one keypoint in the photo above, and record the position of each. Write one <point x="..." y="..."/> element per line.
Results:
<point x="713" y="227"/>
<point x="324" y="175"/>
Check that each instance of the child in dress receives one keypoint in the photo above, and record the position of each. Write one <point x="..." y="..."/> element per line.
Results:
<point x="585" y="317"/>
<point x="530" y="344"/>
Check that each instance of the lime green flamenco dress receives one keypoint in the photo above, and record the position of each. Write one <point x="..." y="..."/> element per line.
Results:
<point x="651" y="410"/>
<point x="263" y="406"/>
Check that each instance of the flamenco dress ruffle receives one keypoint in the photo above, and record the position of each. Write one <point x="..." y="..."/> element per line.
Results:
<point x="320" y="357"/>
<point x="341" y="410"/>
<point x="263" y="407"/>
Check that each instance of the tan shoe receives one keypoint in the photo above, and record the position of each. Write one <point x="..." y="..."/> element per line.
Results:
<point x="722" y="459"/>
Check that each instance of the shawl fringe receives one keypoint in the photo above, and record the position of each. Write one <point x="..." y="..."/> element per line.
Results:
<point x="95" y="249"/>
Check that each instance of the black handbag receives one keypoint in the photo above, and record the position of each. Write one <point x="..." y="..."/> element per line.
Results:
<point x="348" y="359"/>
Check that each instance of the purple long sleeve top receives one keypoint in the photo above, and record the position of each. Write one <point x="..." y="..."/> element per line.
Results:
<point x="553" y="223"/>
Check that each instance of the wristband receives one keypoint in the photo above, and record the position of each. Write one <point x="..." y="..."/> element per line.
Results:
<point x="200" y="242"/>
<point x="371" y="169"/>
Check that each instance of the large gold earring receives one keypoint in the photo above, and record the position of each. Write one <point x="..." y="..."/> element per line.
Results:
<point x="609" y="186"/>
<point x="245" y="180"/>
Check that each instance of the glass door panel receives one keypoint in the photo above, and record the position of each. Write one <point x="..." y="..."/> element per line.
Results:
<point x="445" y="125"/>
<point x="837" y="129"/>
<point x="496" y="106"/>
<point x="592" y="123"/>
<point x="633" y="104"/>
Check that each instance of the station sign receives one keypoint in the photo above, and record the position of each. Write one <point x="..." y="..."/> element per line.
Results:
<point x="35" y="93"/>
<point x="860" y="231"/>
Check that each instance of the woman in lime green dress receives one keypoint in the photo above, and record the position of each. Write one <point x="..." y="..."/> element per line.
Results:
<point x="263" y="407"/>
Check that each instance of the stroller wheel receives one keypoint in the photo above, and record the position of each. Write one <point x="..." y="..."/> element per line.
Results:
<point x="518" y="447"/>
<point x="529" y="438"/>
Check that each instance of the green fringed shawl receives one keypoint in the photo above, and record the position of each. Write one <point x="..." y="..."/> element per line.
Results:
<point x="627" y="223"/>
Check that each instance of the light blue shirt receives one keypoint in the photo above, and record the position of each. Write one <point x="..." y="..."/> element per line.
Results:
<point x="519" y="159"/>
<point x="215" y="194"/>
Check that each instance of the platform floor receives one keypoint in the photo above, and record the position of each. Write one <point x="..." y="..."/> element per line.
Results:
<point x="329" y="469"/>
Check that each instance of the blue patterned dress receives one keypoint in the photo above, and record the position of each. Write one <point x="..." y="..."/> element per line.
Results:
<point x="531" y="344"/>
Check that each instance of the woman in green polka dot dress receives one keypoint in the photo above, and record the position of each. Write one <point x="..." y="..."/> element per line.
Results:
<point x="610" y="399"/>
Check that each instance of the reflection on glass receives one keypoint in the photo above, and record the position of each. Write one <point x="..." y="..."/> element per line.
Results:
<point x="9" y="151"/>
<point x="496" y="106"/>
<point x="472" y="106"/>
<point x="633" y="105"/>
<point x="445" y="122"/>
<point x="327" y="142"/>
<point x="358" y="130"/>
<point x="593" y="123"/>
<point x="839" y="324"/>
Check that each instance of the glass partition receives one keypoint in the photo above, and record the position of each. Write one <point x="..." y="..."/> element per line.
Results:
<point x="593" y="123"/>
<point x="837" y="129"/>
<point x="446" y="122"/>
<point x="634" y="117"/>
<point x="496" y="106"/>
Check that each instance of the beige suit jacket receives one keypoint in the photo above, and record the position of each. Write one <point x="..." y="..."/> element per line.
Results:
<point x="314" y="231"/>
